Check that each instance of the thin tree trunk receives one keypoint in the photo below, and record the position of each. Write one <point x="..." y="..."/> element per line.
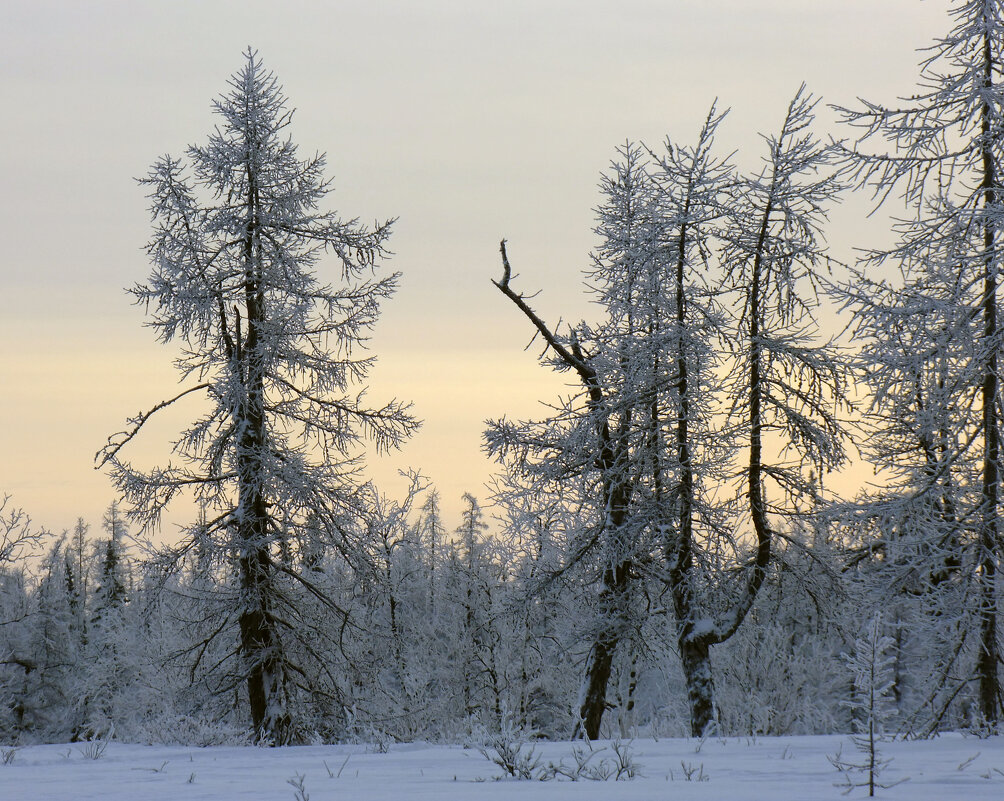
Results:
<point x="758" y="507"/>
<point x="989" y="654"/>
<point x="695" y="656"/>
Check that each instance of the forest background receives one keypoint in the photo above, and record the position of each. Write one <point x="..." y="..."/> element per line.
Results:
<point x="719" y="559"/>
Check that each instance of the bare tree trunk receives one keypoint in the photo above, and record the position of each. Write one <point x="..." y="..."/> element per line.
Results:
<point x="266" y="678"/>
<point x="260" y="646"/>
<point x="592" y="693"/>
<point x="695" y="654"/>
<point x="989" y="658"/>
<point x="596" y="675"/>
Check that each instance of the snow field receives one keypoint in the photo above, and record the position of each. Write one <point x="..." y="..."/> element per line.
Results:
<point x="949" y="768"/>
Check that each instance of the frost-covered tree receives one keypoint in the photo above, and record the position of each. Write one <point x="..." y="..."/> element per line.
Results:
<point x="17" y="664"/>
<point x="685" y="453"/>
<point x="871" y="663"/>
<point x="272" y="350"/>
<point x="48" y="705"/>
<point x="787" y="387"/>
<point x="911" y="541"/>
<point x="105" y="679"/>
<point x="476" y="594"/>
<point x="581" y="458"/>
<point x="110" y="592"/>
<point x="947" y="147"/>
<point x="432" y="534"/>
<point x="17" y="535"/>
<point x="642" y="456"/>
<point x="541" y="603"/>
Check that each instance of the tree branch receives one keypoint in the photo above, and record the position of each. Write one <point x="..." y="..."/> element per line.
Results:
<point x="114" y="446"/>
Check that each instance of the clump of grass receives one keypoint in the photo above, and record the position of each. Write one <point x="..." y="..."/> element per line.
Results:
<point x="93" y="749"/>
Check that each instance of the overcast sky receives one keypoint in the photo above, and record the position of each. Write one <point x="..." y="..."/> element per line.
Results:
<point x="467" y="120"/>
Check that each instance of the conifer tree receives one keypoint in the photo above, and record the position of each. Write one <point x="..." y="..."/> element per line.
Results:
<point x="943" y="147"/>
<point x="871" y="662"/>
<point x="271" y="348"/>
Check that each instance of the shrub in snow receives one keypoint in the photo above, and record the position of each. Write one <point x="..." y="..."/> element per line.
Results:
<point x="509" y="748"/>
<point x="93" y="749"/>
<point x="299" y="790"/>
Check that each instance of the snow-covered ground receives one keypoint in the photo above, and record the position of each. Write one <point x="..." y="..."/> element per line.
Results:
<point x="949" y="768"/>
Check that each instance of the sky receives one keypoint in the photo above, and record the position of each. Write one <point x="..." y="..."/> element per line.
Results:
<point x="467" y="121"/>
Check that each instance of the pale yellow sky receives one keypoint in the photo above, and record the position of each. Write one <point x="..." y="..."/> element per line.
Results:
<point x="467" y="120"/>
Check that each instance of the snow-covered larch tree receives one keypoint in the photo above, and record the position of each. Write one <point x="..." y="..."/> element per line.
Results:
<point x="787" y="385"/>
<point x="947" y="149"/>
<point x="912" y="540"/>
<point x="271" y="348"/>
<point x="582" y="454"/>
<point x="693" y="189"/>
<point x="620" y="455"/>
